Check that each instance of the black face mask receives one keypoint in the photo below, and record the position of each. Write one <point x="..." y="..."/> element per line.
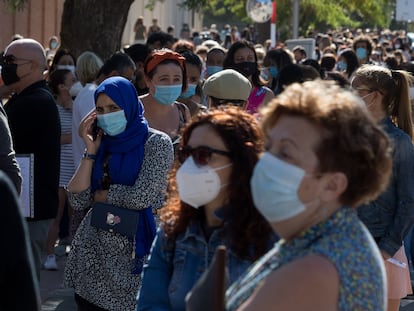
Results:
<point x="9" y="74"/>
<point x="246" y="68"/>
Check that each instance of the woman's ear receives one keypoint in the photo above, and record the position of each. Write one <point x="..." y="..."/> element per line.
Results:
<point x="335" y="186"/>
<point x="150" y="85"/>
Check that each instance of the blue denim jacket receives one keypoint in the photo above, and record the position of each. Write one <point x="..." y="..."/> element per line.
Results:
<point x="391" y="215"/>
<point x="168" y="277"/>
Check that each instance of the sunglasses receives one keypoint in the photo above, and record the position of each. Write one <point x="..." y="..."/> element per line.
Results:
<point x="11" y="59"/>
<point x="201" y="154"/>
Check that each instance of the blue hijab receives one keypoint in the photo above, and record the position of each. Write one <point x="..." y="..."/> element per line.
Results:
<point x="126" y="149"/>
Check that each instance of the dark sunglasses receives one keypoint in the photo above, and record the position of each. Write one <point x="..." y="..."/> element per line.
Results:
<point x="11" y="59"/>
<point x="201" y="154"/>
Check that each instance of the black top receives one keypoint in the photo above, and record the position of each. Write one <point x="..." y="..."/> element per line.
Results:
<point x="8" y="162"/>
<point x="18" y="283"/>
<point x="35" y="128"/>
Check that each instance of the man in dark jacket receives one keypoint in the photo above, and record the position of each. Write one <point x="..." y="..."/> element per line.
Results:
<point x="35" y="128"/>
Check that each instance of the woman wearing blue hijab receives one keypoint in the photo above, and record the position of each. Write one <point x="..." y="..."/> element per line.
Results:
<point x="125" y="164"/>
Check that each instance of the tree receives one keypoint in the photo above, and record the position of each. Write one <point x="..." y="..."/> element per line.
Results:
<point x="314" y="14"/>
<point x="94" y="25"/>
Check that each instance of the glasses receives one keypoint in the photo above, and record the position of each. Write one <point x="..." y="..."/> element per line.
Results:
<point x="201" y="154"/>
<point x="11" y="59"/>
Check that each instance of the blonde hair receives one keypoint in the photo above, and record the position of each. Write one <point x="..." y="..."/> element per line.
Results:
<point x="87" y="67"/>
<point x="394" y="85"/>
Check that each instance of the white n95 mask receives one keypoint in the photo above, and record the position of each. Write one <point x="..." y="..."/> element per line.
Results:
<point x="198" y="186"/>
<point x="274" y="187"/>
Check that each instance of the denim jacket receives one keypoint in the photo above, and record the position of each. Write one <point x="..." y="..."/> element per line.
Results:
<point x="391" y="215"/>
<point x="171" y="274"/>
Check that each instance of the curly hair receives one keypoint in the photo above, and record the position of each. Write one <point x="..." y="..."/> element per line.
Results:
<point x="247" y="233"/>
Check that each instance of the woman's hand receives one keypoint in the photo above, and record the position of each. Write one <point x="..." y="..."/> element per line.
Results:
<point x="86" y="129"/>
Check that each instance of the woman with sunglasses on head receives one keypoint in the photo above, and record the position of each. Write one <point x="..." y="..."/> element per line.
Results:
<point x="242" y="57"/>
<point x="166" y="78"/>
<point x="325" y="156"/>
<point x="390" y="217"/>
<point x="209" y="204"/>
<point x="125" y="165"/>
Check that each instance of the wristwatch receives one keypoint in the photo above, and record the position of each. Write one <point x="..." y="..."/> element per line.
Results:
<point x="89" y="156"/>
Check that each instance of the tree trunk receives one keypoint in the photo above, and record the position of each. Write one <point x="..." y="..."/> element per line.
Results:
<point x="94" y="25"/>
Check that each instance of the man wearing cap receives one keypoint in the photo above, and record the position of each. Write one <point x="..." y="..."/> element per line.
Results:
<point x="227" y="87"/>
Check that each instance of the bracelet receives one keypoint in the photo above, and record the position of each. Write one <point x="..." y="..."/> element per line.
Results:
<point x="89" y="156"/>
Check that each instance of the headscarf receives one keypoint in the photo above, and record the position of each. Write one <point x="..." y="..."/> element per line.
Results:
<point x="126" y="149"/>
<point x="158" y="56"/>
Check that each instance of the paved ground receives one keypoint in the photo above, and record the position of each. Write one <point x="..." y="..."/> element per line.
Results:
<point x="57" y="298"/>
<point x="54" y="296"/>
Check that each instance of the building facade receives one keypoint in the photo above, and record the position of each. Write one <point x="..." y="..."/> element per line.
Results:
<point x="41" y="19"/>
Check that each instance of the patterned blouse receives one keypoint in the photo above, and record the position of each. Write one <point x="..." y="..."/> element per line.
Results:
<point x="99" y="264"/>
<point x="345" y="241"/>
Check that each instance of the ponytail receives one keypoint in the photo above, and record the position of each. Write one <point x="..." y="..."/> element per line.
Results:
<point x="400" y="108"/>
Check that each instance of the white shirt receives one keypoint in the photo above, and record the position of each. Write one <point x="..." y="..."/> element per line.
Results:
<point x="83" y="105"/>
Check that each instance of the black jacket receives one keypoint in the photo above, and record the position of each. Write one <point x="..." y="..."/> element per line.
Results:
<point x="18" y="283"/>
<point x="35" y="127"/>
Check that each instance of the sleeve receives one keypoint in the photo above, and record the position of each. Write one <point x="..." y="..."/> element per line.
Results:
<point x="153" y="294"/>
<point x="80" y="201"/>
<point x="404" y="209"/>
<point x="20" y="288"/>
<point x="8" y="162"/>
<point x="151" y="186"/>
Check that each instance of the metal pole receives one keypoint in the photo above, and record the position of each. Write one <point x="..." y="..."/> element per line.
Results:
<point x="295" y="19"/>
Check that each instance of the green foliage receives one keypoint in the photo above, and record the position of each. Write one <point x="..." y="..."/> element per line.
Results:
<point x="15" y="5"/>
<point x="314" y="14"/>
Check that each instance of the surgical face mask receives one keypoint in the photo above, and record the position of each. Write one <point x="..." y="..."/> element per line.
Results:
<point x="191" y="90"/>
<point x="53" y="45"/>
<point x="68" y="67"/>
<point x="341" y="65"/>
<point x="397" y="46"/>
<point x="9" y="74"/>
<point x="365" y="96"/>
<point x="167" y="94"/>
<point x="274" y="72"/>
<point x="75" y="89"/>
<point x="213" y="69"/>
<point x="198" y="186"/>
<point x="112" y="123"/>
<point x="245" y="68"/>
<point x="361" y="53"/>
<point x="274" y="187"/>
<point x="264" y="73"/>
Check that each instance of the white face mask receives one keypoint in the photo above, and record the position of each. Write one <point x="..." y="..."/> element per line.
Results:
<point x="274" y="187"/>
<point x="365" y="96"/>
<point x="198" y="186"/>
<point x="68" y="67"/>
<point x="75" y="89"/>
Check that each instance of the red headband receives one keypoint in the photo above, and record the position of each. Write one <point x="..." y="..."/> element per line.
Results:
<point x="159" y="56"/>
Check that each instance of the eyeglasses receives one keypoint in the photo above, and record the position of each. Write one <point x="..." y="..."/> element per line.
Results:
<point x="201" y="154"/>
<point x="11" y="59"/>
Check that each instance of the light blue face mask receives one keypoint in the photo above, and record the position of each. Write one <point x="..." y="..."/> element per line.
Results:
<point x="274" y="72"/>
<point x="191" y="90"/>
<point x="167" y="94"/>
<point x="341" y="65"/>
<point x="112" y="123"/>
<point x="361" y="53"/>
<point x="213" y="69"/>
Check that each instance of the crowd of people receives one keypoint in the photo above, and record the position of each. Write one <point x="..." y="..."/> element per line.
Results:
<point x="300" y="165"/>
